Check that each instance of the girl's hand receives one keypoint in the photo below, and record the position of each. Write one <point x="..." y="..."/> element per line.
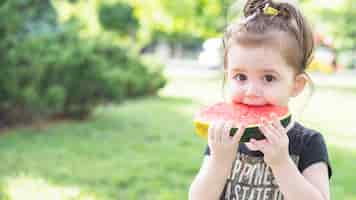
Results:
<point x="223" y="147"/>
<point x="275" y="146"/>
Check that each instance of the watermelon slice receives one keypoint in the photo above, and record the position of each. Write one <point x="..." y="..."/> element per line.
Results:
<point x="240" y="113"/>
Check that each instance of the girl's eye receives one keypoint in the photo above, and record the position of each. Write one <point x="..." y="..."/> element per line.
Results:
<point x="241" y="77"/>
<point x="269" y="78"/>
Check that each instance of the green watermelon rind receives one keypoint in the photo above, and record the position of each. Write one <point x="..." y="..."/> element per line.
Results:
<point x="253" y="131"/>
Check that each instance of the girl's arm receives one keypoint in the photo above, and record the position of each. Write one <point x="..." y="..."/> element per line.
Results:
<point x="313" y="183"/>
<point x="216" y="168"/>
<point x="210" y="181"/>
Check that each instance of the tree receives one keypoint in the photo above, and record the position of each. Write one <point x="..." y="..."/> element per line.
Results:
<point x="335" y="18"/>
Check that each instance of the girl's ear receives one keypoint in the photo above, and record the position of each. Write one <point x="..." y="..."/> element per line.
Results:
<point x="299" y="84"/>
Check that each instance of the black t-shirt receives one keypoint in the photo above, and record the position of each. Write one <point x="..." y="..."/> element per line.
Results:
<point x="251" y="178"/>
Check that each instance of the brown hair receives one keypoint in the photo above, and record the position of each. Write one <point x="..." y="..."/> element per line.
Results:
<point x="258" y="28"/>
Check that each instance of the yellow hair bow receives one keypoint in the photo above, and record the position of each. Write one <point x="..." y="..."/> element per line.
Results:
<point x="268" y="10"/>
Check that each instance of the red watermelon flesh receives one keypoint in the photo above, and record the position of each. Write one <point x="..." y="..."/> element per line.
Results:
<point x="240" y="113"/>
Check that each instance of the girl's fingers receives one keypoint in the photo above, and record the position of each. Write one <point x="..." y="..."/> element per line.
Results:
<point x="211" y="135"/>
<point x="276" y="132"/>
<point x="213" y="132"/>
<point x="227" y="128"/>
<point x="215" y="128"/>
<point x="259" y="144"/>
<point x="269" y="131"/>
<point x="276" y="123"/>
<point x="220" y="130"/>
<point x="253" y="146"/>
<point x="239" y="132"/>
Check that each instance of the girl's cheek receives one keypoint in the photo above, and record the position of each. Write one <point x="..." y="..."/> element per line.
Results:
<point x="276" y="98"/>
<point x="236" y="92"/>
<point x="235" y="88"/>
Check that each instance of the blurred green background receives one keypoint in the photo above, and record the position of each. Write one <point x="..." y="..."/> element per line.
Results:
<point x="97" y="97"/>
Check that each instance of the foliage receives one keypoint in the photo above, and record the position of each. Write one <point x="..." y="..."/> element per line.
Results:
<point x="335" y="18"/>
<point x="184" y="22"/>
<point x="63" y="74"/>
<point x="118" y="17"/>
<point x="57" y="72"/>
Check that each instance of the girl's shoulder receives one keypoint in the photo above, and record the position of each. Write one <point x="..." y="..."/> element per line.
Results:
<point x="301" y="136"/>
<point x="300" y="130"/>
<point x="309" y="146"/>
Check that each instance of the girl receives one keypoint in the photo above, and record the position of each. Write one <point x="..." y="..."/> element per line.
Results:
<point x="266" y="54"/>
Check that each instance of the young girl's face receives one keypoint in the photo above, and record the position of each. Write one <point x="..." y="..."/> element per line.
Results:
<point x="260" y="76"/>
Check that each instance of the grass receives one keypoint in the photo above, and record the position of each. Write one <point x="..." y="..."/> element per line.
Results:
<point x="146" y="148"/>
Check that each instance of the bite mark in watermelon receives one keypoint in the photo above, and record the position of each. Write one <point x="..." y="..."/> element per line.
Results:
<point x="240" y="113"/>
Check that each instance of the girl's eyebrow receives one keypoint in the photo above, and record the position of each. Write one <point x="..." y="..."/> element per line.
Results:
<point x="236" y="69"/>
<point x="270" y="71"/>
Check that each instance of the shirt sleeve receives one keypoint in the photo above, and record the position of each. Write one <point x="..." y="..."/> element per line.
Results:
<point x="315" y="150"/>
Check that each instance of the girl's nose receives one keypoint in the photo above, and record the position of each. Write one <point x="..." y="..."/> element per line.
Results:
<point x="253" y="90"/>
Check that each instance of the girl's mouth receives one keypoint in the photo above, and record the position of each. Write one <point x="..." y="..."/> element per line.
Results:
<point x="257" y="105"/>
<point x="251" y="103"/>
